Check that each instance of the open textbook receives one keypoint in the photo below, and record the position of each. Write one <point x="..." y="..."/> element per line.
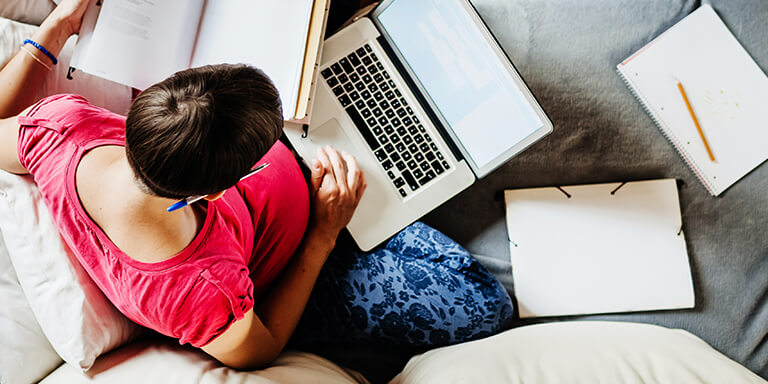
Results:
<point x="141" y="42"/>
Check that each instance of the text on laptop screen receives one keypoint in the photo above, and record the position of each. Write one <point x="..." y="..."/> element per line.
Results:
<point x="463" y="76"/>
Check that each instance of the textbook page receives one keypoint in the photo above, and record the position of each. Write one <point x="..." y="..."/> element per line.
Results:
<point x="85" y="34"/>
<point x="601" y="248"/>
<point x="141" y="42"/>
<point x="270" y="35"/>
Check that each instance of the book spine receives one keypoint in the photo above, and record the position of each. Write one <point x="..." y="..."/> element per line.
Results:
<point x="708" y="184"/>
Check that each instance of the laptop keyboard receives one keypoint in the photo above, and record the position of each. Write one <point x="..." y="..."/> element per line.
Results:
<point x="382" y="115"/>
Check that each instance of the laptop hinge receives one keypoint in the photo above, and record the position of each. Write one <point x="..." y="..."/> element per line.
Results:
<point x="420" y="98"/>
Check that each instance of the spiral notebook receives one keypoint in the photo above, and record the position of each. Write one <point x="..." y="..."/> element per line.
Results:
<point x="600" y="248"/>
<point x="726" y="89"/>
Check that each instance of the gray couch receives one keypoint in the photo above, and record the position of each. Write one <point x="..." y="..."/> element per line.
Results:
<point x="566" y="50"/>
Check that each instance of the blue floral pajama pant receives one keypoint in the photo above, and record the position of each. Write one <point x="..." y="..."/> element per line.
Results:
<point x="420" y="289"/>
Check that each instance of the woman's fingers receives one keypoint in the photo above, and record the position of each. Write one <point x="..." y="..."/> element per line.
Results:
<point x="316" y="178"/>
<point x="361" y="189"/>
<point x="324" y="161"/>
<point x="341" y="186"/>
<point x="339" y="168"/>
<point x="355" y="178"/>
<point x="323" y="158"/>
<point x="71" y="11"/>
<point x="340" y="173"/>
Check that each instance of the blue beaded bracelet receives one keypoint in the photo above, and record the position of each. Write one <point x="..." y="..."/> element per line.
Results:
<point x="43" y="50"/>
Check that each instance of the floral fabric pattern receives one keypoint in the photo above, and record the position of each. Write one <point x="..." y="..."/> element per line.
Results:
<point x="420" y="289"/>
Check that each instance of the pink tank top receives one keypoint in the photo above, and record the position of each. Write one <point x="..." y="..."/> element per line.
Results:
<point x="247" y="238"/>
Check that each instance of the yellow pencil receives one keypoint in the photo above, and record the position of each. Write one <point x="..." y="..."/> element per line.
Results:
<point x="695" y="121"/>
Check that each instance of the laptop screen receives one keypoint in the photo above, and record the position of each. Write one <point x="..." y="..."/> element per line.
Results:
<point x="467" y="81"/>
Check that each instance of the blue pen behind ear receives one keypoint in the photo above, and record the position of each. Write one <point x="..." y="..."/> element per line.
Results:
<point x="192" y="199"/>
<point x="177" y="205"/>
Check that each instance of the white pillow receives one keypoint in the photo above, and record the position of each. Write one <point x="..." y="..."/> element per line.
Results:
<point x="26" y="356"/>
<point x="578" y="352"/>
<point x="77" y="318"/>
<point x="78" y="346"/>
<point x="100" y="92"/>
<point x="158" y="362"/>
<point x="26" y="11"/>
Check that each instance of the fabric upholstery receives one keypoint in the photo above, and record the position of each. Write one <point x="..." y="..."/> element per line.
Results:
<point x="567" y="50"/>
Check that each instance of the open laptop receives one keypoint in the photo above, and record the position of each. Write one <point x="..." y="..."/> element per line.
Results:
<point x="423" y="96"/>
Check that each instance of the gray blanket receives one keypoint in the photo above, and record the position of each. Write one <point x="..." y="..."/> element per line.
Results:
<point x="567" y="50"/>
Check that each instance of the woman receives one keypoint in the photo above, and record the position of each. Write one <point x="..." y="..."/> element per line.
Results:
<point x="231" y="275"/>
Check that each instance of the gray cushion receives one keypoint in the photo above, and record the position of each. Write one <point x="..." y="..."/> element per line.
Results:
<point x="567" y="50"/>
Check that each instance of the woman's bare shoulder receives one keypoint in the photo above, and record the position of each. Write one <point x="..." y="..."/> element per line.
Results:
<point x="135" y="222"/>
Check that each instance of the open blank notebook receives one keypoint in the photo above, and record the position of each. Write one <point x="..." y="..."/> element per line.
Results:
<point x="598" y="251"/>
<point x="727" y="91"/>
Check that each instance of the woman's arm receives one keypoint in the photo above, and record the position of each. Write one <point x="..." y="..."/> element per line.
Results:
<point x="337" y="184"/>
<point x="22" y="76"/>
<point x="9" y="136"/>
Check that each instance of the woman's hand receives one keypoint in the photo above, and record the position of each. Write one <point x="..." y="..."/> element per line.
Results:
<point x="337" y="184"/>
<point x="22" y="76"/>
<point x="70" y="14"/>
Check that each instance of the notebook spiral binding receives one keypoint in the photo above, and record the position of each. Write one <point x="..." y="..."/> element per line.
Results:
<point x="667" y="134"/>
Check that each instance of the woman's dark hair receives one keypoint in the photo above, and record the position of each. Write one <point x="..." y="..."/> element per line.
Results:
<point x="202" y="129"/>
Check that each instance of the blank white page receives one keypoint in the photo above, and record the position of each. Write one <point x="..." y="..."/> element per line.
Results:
<point x="727" y="91"/>
<point x="270" y="35"/>
<point x="596" y="252"/>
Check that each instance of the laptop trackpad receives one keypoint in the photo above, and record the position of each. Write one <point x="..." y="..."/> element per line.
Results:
<point x="331" y="133"/>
